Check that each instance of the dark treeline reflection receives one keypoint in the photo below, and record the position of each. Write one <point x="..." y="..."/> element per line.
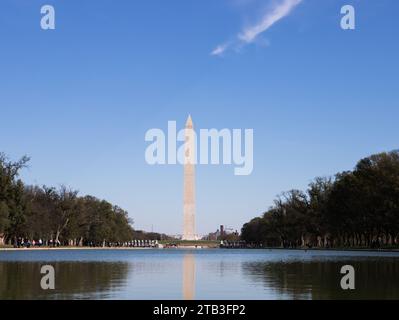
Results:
<point x="375" y="279"/>
<point x="72" y="280"/>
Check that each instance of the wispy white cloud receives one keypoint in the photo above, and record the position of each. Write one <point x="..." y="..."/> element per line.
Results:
<point x="220" y="49"/>
<point x="277" y="13"/>
<point x="280" y="10"/>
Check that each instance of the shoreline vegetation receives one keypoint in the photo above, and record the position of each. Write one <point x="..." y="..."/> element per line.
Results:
<point x="45" y="216"/>
<point x="354" y="209"/>
<point x="146" y="244"/>
<point x="198" y="247"/>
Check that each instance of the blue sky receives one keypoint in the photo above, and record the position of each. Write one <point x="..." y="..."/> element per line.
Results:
<point x="79" y="99"/>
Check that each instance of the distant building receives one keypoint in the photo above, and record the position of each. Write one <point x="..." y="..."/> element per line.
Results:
<point x="222" y="234"/>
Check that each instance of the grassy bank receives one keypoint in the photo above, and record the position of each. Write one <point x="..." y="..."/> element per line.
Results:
<point x="203" y="244"/>
<point x="184" y="243"/>
<point x="5" y="248"/>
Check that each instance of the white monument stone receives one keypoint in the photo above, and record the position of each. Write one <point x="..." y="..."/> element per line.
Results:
<point x="189" y="183"/>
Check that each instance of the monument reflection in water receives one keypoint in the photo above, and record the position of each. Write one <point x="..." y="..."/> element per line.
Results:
<point x="189" y="277"/>
<point x="153" y="279"/>
<point x="198" y="274"/>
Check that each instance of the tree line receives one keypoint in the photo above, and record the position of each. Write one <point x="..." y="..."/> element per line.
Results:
<point x="58" y="216"/>
<point x="357" y="208"/>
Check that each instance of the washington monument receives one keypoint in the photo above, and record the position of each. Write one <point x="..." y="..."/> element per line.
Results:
<point x="189" y="183"/>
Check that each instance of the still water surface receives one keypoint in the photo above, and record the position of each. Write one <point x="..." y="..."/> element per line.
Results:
<point x="198" y="274"/>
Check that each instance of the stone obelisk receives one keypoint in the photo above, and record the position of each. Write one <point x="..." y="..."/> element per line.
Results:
<point x="189" y="182"/>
